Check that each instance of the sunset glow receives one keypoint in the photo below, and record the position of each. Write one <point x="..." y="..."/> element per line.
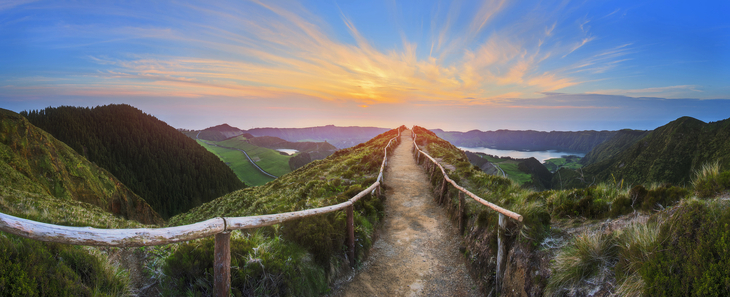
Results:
<point x="449" y="64"/>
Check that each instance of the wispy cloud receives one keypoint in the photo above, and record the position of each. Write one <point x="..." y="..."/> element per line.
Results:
<point x="265" y="49"/>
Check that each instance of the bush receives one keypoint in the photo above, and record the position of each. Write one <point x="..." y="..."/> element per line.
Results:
<point x="636" y="244"/>
<point x="692" y="258"/>
<point x="587" y="255"/>
<point x="578" y="202"/>
<point x="260" y="266"/>
<point x="662" y="197"/>
<point x="321" y="235"/>
<point x="33" y="268"/>
<point x="708" y="181"/>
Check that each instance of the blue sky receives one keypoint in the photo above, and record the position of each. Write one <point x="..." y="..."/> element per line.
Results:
<point x="456" y="65"/>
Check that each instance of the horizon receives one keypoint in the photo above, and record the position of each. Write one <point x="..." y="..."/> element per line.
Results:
<point x="455" y="65"/>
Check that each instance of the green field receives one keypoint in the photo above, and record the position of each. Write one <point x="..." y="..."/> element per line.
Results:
<point x="510" y="168"/>
<point x="270" y="160"/>
<point x="245" y="171"/>
<point x="556" y="163"/>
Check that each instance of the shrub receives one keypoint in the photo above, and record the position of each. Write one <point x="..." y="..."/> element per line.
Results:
<point x="621" y="206"/>
<point x="260" y="266"/>
<point x="33" y="268"/>
<point x="662" y="197"/>
<point x="587" y="255"/>
<point x="321" y="235"/>
<point x="708" y="181"/>
<point x="578" y="202"/>
<point x="636" y="243"/>
<point x="692" y="257"/>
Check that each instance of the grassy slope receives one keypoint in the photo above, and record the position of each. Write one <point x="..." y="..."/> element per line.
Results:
<point x="35" y="163"/>
<point x="555" y="163"/>
<point x="510" y="168"/>
<point x="34" y="268"/>
<point x="313" y="246"/>
<point x="270" y="160"/>
<point x="565" y="234"/>
<point x="246" y="172"/>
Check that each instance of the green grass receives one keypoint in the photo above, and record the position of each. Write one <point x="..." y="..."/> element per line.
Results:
<point x="240" y="165"/>
<point x="510" y="168"/>
<point x="556" y="163"/>
<point x="270" y="160"/>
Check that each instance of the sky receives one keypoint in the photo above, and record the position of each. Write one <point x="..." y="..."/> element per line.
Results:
<point x="455" y="65"/>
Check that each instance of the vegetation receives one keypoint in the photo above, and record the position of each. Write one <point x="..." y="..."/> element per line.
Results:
<point x="709" y="182"/>
<point x="33" y="268"/>
<point x="240" y="165"/>
<point x="268" y="159"/>
<point x="569" y="162"/>
<point x="297" y="257"/>
<point x="169" y="170"/>
<point x="35" y="164"/>
<point x="669" y="154"/>
<point x="587" y="256"/>
<point x="581" y="141"/>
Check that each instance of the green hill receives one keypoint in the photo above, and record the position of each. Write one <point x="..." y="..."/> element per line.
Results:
<point x="39" y="172"/>
<point x="669" y="154"/>
<point x="580" y="141"/>
<point x="169" y="170"/>
<point x="613" y="146"/>
<point x="302" y="255"/>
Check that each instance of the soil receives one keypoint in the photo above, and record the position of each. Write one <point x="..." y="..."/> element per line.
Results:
<point x="417" y="253"/>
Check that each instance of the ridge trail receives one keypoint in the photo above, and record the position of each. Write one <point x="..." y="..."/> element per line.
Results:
<point x="417" y="253"/>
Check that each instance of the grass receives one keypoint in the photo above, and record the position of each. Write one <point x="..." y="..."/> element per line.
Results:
<point x="588" y="255"/>
<point x="293" y="258"/>
<point x="708" y="181"/>
<point x="240" y="165"/>
<point x="510" y="169"/>
<point x="554" y="164"/>
<point x="270" y="160"/>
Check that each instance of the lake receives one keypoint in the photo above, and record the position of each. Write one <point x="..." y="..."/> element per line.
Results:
<point x="288" y="151"/>
<point x="539" y="155"/>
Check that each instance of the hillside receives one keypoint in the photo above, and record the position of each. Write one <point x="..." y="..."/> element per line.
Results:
<point x="215" y="133"/>
<point x="613" y="146"/>
<point x="609" y="239"/>
<point x="581" y="141"/>
<point x="667" y="154"/>
<point x="340" y="137"/>
<point x="169" y="170"/>
<point x="303" y="256"/>
<point x="35" y="164"/>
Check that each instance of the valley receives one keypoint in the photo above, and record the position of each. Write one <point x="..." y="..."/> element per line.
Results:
<point x="567" y="207"/>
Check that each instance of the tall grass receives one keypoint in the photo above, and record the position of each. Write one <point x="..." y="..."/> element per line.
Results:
<point x="708" y="181"/>
<point x="588" y="255"/>
<point x="636" y="244"/>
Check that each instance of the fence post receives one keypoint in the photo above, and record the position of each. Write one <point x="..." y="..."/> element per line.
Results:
<point x="222" y="266"/>
<point x="444" y="191"/>
<point x="461" y="212"/>
<point x="501" y="236"/>
<point x="351" y="236"/>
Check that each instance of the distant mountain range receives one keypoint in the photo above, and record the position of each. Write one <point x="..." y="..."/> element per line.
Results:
<point x="670" y="153"/>
<point x="340" y="137"/>
<point x="579" y="142"/>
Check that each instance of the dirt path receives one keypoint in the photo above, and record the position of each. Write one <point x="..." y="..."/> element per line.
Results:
<point x="417" y="253"/>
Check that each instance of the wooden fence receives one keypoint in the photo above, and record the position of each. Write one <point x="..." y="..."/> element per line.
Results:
<point x="443" y="194"/>
<point x="220" y="227"/>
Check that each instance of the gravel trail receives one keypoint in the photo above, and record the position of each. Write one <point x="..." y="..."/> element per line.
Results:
<point x="417" y="253"/>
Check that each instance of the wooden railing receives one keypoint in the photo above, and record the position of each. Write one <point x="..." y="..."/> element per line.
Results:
<point x="221" y="227"/>
<point x="501" y="249"/>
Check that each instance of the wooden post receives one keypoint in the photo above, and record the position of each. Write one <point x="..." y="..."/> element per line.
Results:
<point x="222" y="266"/>
<point x="500" y="252"/>
<point x="444" y="191"/>
<point x="351" y="236"/>
<point x="461" y="212"/>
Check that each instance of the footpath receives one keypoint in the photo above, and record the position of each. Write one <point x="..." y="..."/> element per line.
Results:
<point x="417" y="253"/>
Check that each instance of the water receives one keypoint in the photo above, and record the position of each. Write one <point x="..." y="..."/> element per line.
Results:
<point x="540" y="155"/>
<point x="288" y="151"/>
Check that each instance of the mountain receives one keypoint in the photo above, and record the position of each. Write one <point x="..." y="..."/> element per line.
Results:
<point x="670" y="154"/>
<point x="622" y="140"/>
<point x="215" y="133"/>
<point x="169" y="170"/>
<point x="340" y="137"/>
<point x="40" y="172"/>
<point x="581" y="141"/>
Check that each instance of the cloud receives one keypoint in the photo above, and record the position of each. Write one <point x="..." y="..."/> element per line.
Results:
<point x="265" y="49"/>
